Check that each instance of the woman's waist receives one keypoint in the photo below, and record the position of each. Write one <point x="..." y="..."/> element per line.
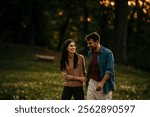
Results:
<point x="73" y="83"/>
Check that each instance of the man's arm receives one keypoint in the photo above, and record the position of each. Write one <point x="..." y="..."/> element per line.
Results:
<point x="100" y="84"/>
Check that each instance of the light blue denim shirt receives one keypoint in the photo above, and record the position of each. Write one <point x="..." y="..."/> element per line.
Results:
<point x="106" y="64"/>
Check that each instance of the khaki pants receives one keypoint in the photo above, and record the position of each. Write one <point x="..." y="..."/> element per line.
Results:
<point x="92" y="94"/>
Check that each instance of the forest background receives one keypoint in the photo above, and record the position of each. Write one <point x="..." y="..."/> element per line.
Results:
<point x="124" y="27"/>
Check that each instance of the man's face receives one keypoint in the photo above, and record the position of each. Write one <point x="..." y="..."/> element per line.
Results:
<point x="91" y="44"/>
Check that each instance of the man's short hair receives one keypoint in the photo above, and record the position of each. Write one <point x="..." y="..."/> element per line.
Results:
<point x="94" y="36"/>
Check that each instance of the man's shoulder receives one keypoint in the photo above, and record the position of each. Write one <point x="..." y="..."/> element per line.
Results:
<point x="105" y="50"/>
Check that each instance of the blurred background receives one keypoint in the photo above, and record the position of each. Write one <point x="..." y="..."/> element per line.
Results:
<point x="123" y="25"/>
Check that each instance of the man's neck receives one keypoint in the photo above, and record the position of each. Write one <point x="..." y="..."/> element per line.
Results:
<point x="98" y="48"/>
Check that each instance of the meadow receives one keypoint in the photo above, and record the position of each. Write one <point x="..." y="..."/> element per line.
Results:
<point x="24" y="78"/>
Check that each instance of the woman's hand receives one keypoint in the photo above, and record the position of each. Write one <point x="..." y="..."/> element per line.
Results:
<point x="82" y="79"/>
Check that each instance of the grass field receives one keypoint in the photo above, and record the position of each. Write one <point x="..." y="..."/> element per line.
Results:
<point x="23" y="78"/>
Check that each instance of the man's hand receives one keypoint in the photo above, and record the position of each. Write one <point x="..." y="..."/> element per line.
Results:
<point x="99" y="86"/>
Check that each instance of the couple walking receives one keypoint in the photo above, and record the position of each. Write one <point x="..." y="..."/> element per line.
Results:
<point x="99" y="75"/>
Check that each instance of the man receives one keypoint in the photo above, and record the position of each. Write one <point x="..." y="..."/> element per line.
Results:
<point x="100" y="72"/>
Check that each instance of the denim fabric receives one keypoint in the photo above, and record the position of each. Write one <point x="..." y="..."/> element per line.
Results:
<point x="106" y="65"/>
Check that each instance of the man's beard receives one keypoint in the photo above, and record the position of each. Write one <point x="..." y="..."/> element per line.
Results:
<point x="93" y="49"/>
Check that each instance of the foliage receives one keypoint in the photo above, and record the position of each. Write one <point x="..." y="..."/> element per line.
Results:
<point x="22" y="78"/>
<point x="49" y="23"/>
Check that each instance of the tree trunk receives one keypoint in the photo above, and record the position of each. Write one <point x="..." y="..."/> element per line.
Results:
<point x="62" y="33"/>
<point x="86" y="31"/>
<point x="34" y="22"/>
<point x="121" y="26"/>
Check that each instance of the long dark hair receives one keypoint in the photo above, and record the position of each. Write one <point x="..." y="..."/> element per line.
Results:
<point x="64" y="56"/>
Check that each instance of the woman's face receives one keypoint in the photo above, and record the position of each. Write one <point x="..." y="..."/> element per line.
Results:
<point x="71" y="48"/>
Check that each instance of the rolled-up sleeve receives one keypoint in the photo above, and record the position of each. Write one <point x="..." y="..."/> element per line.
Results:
<point x="110" y="63"/>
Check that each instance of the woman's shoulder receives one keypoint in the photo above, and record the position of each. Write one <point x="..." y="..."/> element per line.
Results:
<point x="80" y="55"/>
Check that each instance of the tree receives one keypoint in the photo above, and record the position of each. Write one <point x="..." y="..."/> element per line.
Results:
<point x="121" y="26"/>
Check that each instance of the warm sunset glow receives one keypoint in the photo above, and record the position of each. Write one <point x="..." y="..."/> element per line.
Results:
<point x="89" y="19"/>
<point x="131" y="3"/>
<point x="135" y="15"/>
<point x="81" y="18"/>
<point x="140" y="3"/>
<point x="107" y="3"/>
<point x="144" y="11"/>
<point x="147" y="0"/>
<point x="112" y="3"/>
<point x="61" y="13"/>
<point x="101" y="2"/>
<point x="147" y="7"/>
<point x="72" y="33"/>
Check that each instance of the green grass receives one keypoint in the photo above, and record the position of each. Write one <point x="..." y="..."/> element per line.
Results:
<point x="23" y="78"/>
<point x="132" y="83"/>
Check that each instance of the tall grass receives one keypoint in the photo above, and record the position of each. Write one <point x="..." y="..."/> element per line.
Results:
<point x="23" y="78"/>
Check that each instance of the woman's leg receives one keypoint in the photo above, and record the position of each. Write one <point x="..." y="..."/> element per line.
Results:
<point x="67" y="93"/>
<point x="78" y="93"/>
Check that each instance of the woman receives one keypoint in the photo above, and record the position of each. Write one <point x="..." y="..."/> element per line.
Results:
<point x="72" y="66"/>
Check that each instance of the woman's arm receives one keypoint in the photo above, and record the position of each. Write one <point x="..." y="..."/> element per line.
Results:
<point x="82" y="79"/>
<point x="71" y="77"/>
<point x="67" y="76"/>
